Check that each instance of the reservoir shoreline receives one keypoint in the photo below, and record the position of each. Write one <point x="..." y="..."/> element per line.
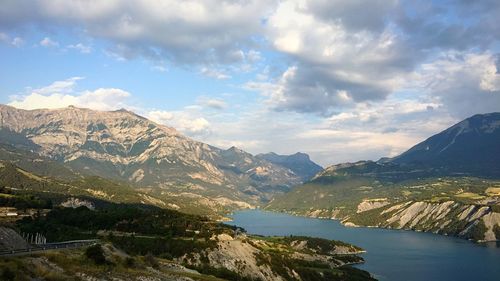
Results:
<point x="391" y="254"/>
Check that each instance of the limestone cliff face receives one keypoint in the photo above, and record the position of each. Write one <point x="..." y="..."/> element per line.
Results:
<point x="125" y="146"/>
<point x="476" y="222"/>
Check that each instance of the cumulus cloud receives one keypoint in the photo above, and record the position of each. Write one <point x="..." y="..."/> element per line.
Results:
<point x="192" y="31"/>
<point x="348" y="52"/>
<point x="62" y="94"/>
<point x="465" y="83"/>
<point x="49" y="43"/>
<point x="338" y="58"/>
<point x="343" y="80"/>
<point x="338" y="51"/>
<point x="187" y="121"/>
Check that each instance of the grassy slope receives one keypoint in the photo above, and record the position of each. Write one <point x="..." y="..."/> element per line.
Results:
<point x="341" y="197"/>
<point x="96" y="189"/>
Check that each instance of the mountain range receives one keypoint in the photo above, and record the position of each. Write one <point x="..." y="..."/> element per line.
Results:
<point x="446" y="184"/>
<point x="125" y="147"/>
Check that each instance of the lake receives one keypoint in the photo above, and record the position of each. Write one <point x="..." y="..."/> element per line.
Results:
<point x="391" y="254"/>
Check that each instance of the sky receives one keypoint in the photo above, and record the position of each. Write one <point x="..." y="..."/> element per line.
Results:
<point x="339" y="80"/>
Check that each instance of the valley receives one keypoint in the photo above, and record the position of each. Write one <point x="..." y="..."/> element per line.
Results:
<point x="290" y="140"/>
<point x="446" y="184"/>
<point x="154" y="198"/>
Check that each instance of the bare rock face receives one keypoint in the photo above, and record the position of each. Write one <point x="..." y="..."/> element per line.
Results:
<point x="447" y="217"/>
<point x="370" y="204"/>
<point x="125" y="146"/>
<point x="75" y="203"/>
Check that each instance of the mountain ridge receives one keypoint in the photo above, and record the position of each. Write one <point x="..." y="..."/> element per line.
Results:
<point x="300" y="163"/>
<point x="461" y="146"/>
<point x="122" y="145"/>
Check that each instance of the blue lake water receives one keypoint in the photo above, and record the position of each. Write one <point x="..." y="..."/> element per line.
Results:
<point x="391" y="254"/>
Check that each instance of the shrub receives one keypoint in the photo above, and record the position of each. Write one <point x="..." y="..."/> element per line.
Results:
<point x="130" y="262"/>
<point x="8" y="274"/>
<point x="150" y="260"/>
<point x="496" y="230"/>
<point x="96" y="254"/>
<point x="477" y="232"/>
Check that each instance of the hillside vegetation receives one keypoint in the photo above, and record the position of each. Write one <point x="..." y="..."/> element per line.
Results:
<point x="140" y="238"/>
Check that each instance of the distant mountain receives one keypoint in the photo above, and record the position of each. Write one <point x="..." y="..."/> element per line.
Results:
<point x="299" y="163"/>
<point x="472" y="146"/>
<point x="468" y="148"/>
<point x="124" y="146"/>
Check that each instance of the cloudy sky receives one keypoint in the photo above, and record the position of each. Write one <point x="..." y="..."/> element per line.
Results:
<point x="340" y="80"/>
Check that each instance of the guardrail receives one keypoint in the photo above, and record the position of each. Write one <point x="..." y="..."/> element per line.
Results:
<point x="50" y="246"/>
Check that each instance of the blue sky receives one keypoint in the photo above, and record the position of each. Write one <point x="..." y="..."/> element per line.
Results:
<point x="340" y="80"/>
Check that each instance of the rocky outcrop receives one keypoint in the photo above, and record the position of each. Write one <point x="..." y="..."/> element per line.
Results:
<point x="370" y="204"/>
<point x="476" y="222"/>
<point x="254" y="257"/>
<point x="492" y="224"/>
<point x="75" y="203"/>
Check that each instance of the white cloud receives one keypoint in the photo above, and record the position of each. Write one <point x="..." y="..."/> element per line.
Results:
<point x="338" y="60"/>
<point x="214" y="73"/>
<point x="213" y="103"/>
<point x="464" y="83"/>
<point x="62" y="94"/>
<point x="160" y="116"/>
<point x="16" y="41"/>
<point x="35" y="100"/>
<point x="187" y="121"/>
<point x="60" y="87"/>
<point x="377" y="75"/>
<point x="191" y="31"/>
<point x="82" y="48"/>
<point x="49" y="43"/>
